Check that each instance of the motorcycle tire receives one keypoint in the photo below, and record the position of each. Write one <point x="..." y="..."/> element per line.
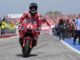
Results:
<point x="26" y="50"/>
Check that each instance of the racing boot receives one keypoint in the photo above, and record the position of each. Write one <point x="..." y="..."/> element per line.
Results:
<point x="34" y="43"/>
<point x="21" y="41"/>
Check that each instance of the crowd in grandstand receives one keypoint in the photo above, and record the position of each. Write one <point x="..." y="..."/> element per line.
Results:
<point x="6" y="26"/>
<point x="68" y="29"/>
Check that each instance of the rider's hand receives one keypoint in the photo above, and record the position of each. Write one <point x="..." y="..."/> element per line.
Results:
<point x="20" y="24"/>
<point x="39" y="28"/>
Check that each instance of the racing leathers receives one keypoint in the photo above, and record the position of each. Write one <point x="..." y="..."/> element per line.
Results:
<point x="37" y="22"/>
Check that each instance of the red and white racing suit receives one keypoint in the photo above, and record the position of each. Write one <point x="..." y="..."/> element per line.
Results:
<point x="37" y="17"/>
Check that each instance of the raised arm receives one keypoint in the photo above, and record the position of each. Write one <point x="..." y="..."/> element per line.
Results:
<point x="23" y="17"/>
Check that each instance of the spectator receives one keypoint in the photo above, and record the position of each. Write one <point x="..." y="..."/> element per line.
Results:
<point x="77" y="30"/>
<point x="72" y="30"/>
<point x="3" y="26"/>
<point x="61" y="26"/>
<point x="68" y="28"/>
<point x="56" y="30"/>
<point x="0" y="28"/>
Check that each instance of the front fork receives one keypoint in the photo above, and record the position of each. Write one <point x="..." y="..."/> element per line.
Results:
<point x="23" y="41"/>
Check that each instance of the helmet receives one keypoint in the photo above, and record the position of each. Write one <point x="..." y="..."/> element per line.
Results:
<point x="33" y="8"/>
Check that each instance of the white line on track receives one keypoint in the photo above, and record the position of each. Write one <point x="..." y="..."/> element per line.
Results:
<point x="77" y="51"/>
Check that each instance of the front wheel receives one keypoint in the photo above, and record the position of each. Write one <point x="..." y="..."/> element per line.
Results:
<point x="26" y="50"/>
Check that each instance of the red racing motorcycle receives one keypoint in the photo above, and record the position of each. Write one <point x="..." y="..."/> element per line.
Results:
<point x="27" y="32"/>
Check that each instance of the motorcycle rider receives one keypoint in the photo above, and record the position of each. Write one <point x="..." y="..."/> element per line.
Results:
<point x="32" y="13"/>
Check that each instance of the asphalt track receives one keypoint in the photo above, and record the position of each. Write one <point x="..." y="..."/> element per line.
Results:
<point x="48" y="48"/>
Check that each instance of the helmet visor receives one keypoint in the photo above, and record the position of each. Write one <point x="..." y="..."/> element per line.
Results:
<point x="33" y="8"/>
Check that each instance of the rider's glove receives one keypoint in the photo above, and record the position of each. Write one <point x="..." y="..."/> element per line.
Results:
<point x="39" y="28"/>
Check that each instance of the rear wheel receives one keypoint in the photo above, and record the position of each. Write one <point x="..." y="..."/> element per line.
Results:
<point x="26" y="50"/>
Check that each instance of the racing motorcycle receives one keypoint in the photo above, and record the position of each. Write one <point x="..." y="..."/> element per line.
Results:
<point x="27" y="32"/>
